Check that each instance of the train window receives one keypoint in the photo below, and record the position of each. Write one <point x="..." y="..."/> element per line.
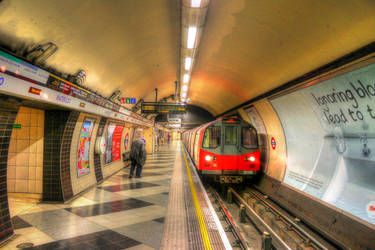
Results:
<point x="230" y="135"/>
<point x="249" y="138"/>
<point x="211" y="137"/>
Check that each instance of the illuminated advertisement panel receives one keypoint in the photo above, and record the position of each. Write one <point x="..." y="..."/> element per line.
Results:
<point x="113" y="142"/>
<point x="84" y="146"/>
<point x="330" y="136"/>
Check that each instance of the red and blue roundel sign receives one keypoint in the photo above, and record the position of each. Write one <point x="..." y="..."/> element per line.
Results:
<point x="273" y="143"/>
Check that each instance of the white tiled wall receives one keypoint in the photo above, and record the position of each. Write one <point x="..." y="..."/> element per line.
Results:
<point x="25" y="159"/>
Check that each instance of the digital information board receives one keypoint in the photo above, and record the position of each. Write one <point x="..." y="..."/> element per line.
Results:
<point x="162" y="108"/>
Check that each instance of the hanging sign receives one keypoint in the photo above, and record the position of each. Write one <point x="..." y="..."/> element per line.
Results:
<point x="273" y="143"/>
<point x="127" y="100"/>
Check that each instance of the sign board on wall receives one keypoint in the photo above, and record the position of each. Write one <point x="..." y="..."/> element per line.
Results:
<point x="113" y="142"/>
<point x="84" y="146"/>
<point x="330" y="135"/>
<point x="13" y="65"/>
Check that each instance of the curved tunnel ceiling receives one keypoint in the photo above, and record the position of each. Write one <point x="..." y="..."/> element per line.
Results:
<point x="247" y="48"/>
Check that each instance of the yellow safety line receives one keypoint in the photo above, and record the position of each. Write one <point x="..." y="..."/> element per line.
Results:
<point x="202" y="224"/>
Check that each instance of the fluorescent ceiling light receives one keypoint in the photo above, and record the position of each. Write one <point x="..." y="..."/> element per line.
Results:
<point x="187" y="63"/>
<point x="186" y="78"/>
<point x="195" y="3"/>
<point x="184" y="88"/>
<point x="192" y="32"/>
<point x="183" y="95"/>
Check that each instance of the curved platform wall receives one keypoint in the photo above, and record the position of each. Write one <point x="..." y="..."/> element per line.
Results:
<point x="321" y="152"/>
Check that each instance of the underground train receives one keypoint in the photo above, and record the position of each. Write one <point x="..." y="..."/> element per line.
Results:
<point x="225" y="150"/>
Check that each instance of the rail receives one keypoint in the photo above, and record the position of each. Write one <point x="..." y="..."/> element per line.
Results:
<point x="298" y="229"/>
<point x="272" y="233"/>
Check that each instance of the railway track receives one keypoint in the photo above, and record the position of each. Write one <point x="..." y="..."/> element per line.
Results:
<point x="255" y="222"/>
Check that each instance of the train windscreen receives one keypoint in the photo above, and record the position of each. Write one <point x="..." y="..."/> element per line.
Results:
<point x="230" y="135"/>
<point x="249" y="137"/>
<point x="211" y="137"/>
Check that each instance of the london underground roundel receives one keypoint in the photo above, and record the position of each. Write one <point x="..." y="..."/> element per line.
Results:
<point x="370" y="207"/>
<point x="273" y="143"/>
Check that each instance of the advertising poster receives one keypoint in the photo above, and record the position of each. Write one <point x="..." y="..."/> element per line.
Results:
<point x="84" y="146"/>
<point x="330" y="135"/>
<point x="113" y="142"/>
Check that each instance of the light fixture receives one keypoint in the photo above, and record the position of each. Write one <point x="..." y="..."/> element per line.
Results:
<point x="193" y="19"/>
<point x="186" y="78"/>
<point x="183" y="95"/>
<point x="195" y="3"/>
<point x="192" y="32"/>
<point x="187" y="63"/>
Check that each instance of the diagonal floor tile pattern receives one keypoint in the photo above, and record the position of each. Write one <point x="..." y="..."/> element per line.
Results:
<point x="120" y="213"/>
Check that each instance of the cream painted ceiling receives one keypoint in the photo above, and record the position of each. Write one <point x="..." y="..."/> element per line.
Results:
<point x="248" y="47"/>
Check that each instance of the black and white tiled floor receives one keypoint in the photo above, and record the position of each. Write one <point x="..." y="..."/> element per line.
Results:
<point x="121" y="213"/>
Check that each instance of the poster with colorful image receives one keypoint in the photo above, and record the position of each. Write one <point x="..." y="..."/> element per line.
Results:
<point x="113" y="142"/>
<point x="84" y="146"/>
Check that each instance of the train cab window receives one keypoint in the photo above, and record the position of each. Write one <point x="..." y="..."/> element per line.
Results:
<point x="249" y="137"/>
<point x="230" y="135"/>
<point x="211" y="137"/>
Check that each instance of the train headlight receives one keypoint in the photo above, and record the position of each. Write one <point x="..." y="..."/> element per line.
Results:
<point x="208" y="157"/>
<point x="250" y="158"/>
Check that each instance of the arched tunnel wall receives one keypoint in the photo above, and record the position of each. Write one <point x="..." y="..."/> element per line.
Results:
<point x="318" y="145"/>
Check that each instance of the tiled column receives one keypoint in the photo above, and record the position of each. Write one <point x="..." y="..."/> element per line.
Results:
<point x="66" y="181"/>
<point x="97" y="162"/>
<point x="58" y="131"/>
<point x="8" y="112"/>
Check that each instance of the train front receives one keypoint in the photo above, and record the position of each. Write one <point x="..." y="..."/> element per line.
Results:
<point x="230" y="151"/>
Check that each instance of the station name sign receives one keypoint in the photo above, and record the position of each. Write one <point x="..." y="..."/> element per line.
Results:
<point x="162" y="108"/>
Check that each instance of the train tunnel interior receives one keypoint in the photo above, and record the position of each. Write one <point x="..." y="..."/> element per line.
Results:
<point x="301" y="72"/>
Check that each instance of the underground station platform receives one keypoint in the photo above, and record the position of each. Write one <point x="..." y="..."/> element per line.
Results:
<point x="167" y="208"/>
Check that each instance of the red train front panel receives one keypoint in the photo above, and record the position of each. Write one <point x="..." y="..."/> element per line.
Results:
<point x="212" y="161"/>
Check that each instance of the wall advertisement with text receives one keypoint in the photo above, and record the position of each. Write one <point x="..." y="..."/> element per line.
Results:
<point x="84" y="146"/>
<point x="113" y="142"/>
<point x="330" y="135"/>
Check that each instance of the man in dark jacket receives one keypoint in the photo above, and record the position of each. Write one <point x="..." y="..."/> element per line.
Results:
<point x="137" y="157"/>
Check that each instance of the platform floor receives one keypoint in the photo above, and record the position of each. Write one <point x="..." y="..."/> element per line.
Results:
<point x="123" y="213"/>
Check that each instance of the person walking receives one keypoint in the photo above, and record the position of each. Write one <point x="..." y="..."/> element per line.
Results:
<point x="138" y="158"/>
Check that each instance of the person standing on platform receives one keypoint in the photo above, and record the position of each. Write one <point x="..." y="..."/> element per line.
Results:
<point x="138" y="157"/>
<point x="169" y="138"/>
